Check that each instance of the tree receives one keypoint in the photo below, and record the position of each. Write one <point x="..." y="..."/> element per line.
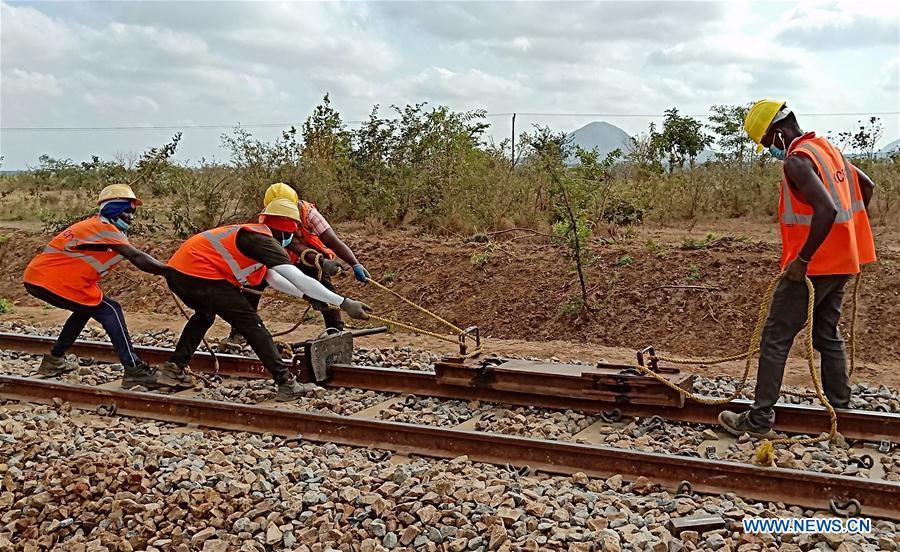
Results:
<point x="569" y="195"/>
<point x="682" y="139"/>
<point x="325" y="137"/>
<point x="643" y="154"/>
<point x="865" y="138"/>
<point x="727" y="124"/>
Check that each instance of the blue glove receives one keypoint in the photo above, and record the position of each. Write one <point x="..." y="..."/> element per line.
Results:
<point x="361" y="273"/>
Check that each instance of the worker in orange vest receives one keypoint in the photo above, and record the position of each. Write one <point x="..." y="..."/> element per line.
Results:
<point x="211" y="269"/>
<point x="315" y="250"/>
<point x="825" y="235"/>
<point x="67" y="273"/>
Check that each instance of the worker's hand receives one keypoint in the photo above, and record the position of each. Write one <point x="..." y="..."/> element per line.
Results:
<point x="356" y="309"/>
<point x="361" y="273"/>
<point x="331" y="268"/>
<point x="796" y="270"/>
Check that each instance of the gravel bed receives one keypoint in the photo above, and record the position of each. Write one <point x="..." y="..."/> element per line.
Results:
<point x="81" y="482"/>
<point x="406" y="358"/>
<point x="431" y="411"/>
<point x="88" y="372"/>
<point x="865" y="396"/>
<point x="332" y="401"/>
<point x="891" y="464"/>
<point x="537" y="423"/>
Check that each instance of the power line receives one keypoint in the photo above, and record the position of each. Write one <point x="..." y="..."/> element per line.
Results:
<point x="285" y="125"/>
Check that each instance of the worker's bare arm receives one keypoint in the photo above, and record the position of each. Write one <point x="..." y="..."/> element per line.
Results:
<point x="801" y="172"/>
<point x="138" y="258"/>
<point x="335" y="243"/>
<point x="866" y="186"/>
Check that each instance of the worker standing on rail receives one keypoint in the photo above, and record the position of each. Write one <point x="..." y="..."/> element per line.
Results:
<point x="825" y="234"/>
<point x="314" y="250"/>
<point x="66" y="274"/>
<point x="211" y="269"/>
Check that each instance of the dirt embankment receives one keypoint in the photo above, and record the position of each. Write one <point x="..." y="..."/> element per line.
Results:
<point x="520" y="289"/>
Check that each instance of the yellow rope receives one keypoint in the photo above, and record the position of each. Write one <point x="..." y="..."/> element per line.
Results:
<point x="765" y="454"/>
<point x="420" y="308"/>
<point x="752" y="349"/>
<point x="409" y="327"/>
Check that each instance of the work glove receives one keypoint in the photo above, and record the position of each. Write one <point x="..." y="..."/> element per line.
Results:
<point x="331" y="268"/>
<point x="356" y="309"/>
<point x="361" y="273"/>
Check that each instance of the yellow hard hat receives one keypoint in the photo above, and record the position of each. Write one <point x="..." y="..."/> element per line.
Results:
<point x="283" y="207"/>
<point x="760" y="117"/>
<point x="280" y="190"/>
<point x="118" y="191"/>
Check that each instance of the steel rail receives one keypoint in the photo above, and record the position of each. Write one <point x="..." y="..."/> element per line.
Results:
<point x="796" y="419"/>
<point x="804" y="488"/>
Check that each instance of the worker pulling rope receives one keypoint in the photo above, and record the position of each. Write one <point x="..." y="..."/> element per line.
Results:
<point x="765" y="454"/>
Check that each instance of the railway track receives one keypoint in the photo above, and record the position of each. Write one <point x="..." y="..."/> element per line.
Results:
<point x="800" y="487"/>
<point x="861" y="425"/>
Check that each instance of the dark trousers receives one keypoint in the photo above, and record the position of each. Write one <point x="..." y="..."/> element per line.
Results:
<point x="108" y="313"/>
<point x="332" y="316"/>
<point x="787" y="316"/>
<point x="211" y="298"/>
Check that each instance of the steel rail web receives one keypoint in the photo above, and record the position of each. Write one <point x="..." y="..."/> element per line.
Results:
<point x="803" y="488"/>
<point x="798" y="419"/>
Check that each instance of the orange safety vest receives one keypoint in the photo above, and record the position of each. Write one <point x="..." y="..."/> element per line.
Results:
<point x="306" y="234"/>
<point x="214" y="255"/>
<point x="74" y="273"/>
<point x="849" y="245"/>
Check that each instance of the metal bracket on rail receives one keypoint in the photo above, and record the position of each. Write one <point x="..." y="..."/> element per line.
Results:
<point x="331" y="347"/>
<point x="863" y="461"/>
<point x="470" y="331"/>
<point x="107" y="410"/>
<point x="851" y="508"/>
<point x="684" y="490"/>
<point x="523" y="471"/>
<point x="649" y="353"/>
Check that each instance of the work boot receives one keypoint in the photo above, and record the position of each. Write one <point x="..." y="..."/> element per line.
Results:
<point x="146" y="376"/>
<point x="177" y="373"/>
<point x="53" y="366"/>
<point x="292" y="390"/>
<point x="234" y="340"/>
<point x="738" y="424"/>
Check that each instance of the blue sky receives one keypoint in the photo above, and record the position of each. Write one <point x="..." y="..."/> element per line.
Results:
<point x="96" y="64"/>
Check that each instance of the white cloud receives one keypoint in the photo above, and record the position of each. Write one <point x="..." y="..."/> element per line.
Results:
<point x="889" y="81"/>
<point x="18" y="85"/>
<point x="113" y="64"/>
<point x="836" y="26"/>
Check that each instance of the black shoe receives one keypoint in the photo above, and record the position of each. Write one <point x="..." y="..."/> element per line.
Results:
<point x="53" y="366"/>
<point x="738" y="424"/>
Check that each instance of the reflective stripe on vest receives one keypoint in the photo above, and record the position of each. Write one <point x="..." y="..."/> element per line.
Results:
<point x="101" y="268"/>
<point x="843" y="214"/>
<point x="216" y="240"/>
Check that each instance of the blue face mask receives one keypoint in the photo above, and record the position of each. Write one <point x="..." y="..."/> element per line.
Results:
<point x="121" y="224"/>
<point x="778" y="153"/>
<point x="287" y="241"/>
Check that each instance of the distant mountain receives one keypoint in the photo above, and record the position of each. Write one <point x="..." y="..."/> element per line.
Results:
<point x="602" y="135"/>
<point x="888" y="149"/>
